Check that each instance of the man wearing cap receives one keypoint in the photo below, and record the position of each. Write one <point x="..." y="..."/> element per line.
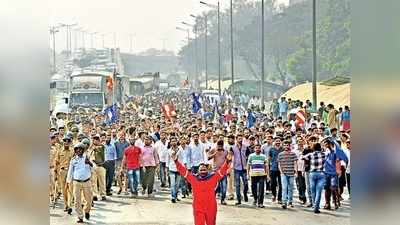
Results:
<point x="62" y="159"/>
<point x="96" y="153"/>
<point x="79" y="177"/>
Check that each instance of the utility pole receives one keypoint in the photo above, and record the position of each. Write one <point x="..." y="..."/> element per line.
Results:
<point x="219" y="51"/>
<point x="53" y="31"/>
<point x="232" y="65"/>
<point x="206" y="49"/>
<point x="262" y="53"/>
<point x="314" y="77"/>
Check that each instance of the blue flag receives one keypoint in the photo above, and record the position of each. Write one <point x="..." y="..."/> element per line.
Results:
<point x="250" y="120"/>
<point x="111" y="114"/>
<point x="196" y="105"/>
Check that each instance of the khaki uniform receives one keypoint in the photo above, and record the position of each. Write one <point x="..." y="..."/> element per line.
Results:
<point x="63" y="157"/>
<point x="52" y="174"/>
<point x="98" y="172"/>
<point x="82" y="189"/>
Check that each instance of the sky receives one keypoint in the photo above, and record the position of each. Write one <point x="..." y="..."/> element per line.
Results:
<point x="152" y="23"/>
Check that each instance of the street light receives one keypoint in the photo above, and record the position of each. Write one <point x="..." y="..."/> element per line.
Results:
<point x="68" y="30"/>
<point x="188" y="41"/>
<point x="53" y="31"/>
<point x="218" y="40"/>
<point x="195" y="47"/>
<point x="232" y="66"/>
<point x="262" y="53"/>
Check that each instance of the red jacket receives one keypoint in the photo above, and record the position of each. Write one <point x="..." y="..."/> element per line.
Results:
<point x="204" y="199"/>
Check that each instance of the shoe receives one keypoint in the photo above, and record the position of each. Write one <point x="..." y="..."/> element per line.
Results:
<point x="274" y="199"/>
<point x="79" y="220"/>
<point x="119" y="192"/>
<point x="238" y="203"/>
<point x="304" y="201"/>
<point x="69" y="211"/>
<point x="92" y="204"/>
<point x="284" y="206"/>
<point x="328" y="207"/>
<point x="103" y="198"/>
<point x="109" y="194"/>
<point x="246" y="199"/>
<point x="266" y="193"/>
<point x="184" y="196"/>
<point x="223" y="202"/>
<point x="66" y="210"/>
<point x="291" y="205"/>
<point x="178" y="200"/>
<point x="255" y="203"/>
<point x="95" y="198"/>
<point x="316" y="211"/>
<point x="309" y="205"/>
<point x="230" y="198"/>
<point x="173" y="200"/>
<point x="279" y="202"/>
<point x="87" y="216"/>
<point x="261" y="206"/>
<point x="143" y="191"/>
<point x="336" y="206"/>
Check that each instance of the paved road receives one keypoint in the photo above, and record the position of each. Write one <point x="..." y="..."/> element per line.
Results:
<point x="160" y="211"/>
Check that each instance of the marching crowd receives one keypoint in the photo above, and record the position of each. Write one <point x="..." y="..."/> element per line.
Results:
<point x="271" y="150"/>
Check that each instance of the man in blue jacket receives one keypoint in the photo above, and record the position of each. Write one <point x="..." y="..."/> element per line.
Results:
<point x="333" y="154"/>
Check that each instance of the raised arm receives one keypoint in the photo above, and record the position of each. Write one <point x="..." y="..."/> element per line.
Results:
<point x="183" y="171"/>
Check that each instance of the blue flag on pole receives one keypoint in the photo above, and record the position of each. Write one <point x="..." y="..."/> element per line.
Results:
<point x="250" y="120"/>
<point x="111" y="114"/>
<point x="196" y="105"/>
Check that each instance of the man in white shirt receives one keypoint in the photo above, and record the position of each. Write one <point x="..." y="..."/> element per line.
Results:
<point x="162" y="150"/>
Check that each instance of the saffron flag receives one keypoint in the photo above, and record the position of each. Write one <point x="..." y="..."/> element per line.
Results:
<point x="300" y="118"/>
<point x="168" y="110"/>
<point x="109" y="83"/>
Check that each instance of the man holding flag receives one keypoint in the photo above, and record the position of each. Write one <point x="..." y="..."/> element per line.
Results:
<point x="196" y="105"/>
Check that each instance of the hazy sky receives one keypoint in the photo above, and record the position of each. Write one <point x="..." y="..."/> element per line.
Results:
<point x="150" y="21"/>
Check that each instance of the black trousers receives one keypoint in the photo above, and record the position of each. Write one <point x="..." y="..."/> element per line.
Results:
<point x="257" y="189"/>
<point x="110" y="170"/>
<point x="276" y="181"/>
<point x="301" y="185"/>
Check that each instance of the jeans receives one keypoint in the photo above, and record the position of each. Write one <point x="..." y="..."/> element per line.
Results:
<point x="240" y="174"/>
<point x="133" y="179"/>
<point x="183" y="185"/>
<point x="110" y="170"/>
<point x="317" y="182"/>
<point x="163" y="174"/>
<point x="257" y="189"/>
<point x="175" y="179"/>
<point x="287" y="188"/>
<point x="301" y="185"/>
<point x="308" y="187"/>
<point x="276" y="181"/>
<point x="222" y="186"/>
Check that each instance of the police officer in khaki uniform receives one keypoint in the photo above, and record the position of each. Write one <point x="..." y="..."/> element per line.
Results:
<point x="97" y="156"/>
<point x="62" y="159"/>
<point x="54" y="147"/>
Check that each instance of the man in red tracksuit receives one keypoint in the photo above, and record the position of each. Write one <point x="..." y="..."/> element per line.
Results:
<point x="203" y="187"/>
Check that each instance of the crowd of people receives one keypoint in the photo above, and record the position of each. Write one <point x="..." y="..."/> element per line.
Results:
<point x="269" y="149"/>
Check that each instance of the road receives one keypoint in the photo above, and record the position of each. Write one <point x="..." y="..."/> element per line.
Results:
<point x="123" y="210"/>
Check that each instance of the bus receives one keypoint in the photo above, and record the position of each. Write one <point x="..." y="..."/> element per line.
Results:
<point x="58" y="90"/>
<point x="89" y="89"/>
<point x="144" y="84"/>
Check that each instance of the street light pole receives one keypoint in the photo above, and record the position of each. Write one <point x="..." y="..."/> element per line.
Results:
<point x="219" y="52"/>
<point x="262" y="53"/>
<point x="206" y="50"/>
<point x="188" y="42"/>
<point x="53" y="31"/>
<point x="314" y="77"/>
<point x="232" y="65"/>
